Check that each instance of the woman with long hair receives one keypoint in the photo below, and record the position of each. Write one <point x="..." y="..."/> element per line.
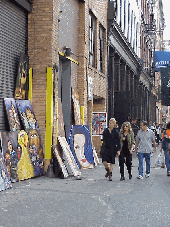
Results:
<point x="111" y="143"/>
<point x="127" y="145"/>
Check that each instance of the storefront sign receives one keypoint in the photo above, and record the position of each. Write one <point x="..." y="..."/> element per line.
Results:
<point x="165" y="89"/>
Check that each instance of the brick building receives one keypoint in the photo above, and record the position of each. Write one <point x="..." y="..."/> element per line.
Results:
<point x="79" y="27"/>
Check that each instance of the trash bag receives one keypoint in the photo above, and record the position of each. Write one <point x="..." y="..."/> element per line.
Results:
<point x="159" y="160"/>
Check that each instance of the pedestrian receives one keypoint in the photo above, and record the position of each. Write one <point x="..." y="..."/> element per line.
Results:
<point x="144" y="139"/>
<point x="127" y="143"/>
<point x="166" y="151"/>
<point x="157" y="133"/>
<point x="111" y="144"/>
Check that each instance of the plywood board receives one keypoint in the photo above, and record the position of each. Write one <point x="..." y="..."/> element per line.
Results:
<point x="76" y="104"/>
<point x="60" y="122"/>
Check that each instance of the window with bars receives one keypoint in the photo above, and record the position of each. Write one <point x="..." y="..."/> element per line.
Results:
<point x="101" y="46"/>
<point x="91" y="40"/>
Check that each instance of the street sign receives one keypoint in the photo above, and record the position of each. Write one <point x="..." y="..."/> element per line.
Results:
<point x="165" y="86"/>
<point x="90" y="88"/>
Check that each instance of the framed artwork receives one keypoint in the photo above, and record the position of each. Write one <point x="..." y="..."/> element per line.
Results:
<point x="5" y="182"/>
<point x="12" y="153"/>
<point x="60" y="122"/>
<point x="76" y="105"/>
<point x="68" y="156"/>
<point x="35" y="151"/>
<point x="99" y="123"/>
<point x="12" y="114"/>
<point x="79" y="139"/>
<point x="16" y="155"/>
<point x="61" y="163"/>
<point x="21" y="90"/>
<point x="27" y="114"/>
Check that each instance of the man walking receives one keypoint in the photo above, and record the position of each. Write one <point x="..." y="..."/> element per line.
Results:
<point x="144" y="139"/>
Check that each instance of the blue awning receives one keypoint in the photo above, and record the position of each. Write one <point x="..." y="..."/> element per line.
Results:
<point x="162" y="59"/>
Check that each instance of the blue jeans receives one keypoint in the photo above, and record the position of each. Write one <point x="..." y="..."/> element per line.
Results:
<point x="148" y="163"/>
<point x="167" y="161"/>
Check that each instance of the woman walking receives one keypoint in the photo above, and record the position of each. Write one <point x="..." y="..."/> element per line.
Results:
<point x="111" y="143"/>
<point x="127" y="145"/>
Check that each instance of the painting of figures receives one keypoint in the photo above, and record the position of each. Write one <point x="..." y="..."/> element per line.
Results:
<point x="35" y="150"/>
<point x="5" y="182"/>
<point x="79" y="139"/>
<point x="21" y="90"/>
<point x="99" y="123"/>
<point x="16" y="151"/>
<point x="12" y="114"/>
<point x="27" y="114"/>
<point x="12" y="153"/>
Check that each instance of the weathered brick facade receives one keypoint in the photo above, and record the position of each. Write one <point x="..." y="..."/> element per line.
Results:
<point x="52" y="25"/>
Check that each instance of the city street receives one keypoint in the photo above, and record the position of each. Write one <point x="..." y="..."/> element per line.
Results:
<point x="92" y="201"/>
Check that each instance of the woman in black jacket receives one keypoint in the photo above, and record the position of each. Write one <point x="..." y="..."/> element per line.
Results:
<point x="111" y="144"/>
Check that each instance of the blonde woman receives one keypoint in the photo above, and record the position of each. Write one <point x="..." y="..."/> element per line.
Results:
<point x="127" y="143"/>
<point x="111" y="143"/>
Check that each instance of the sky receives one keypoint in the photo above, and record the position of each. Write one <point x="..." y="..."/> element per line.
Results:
<point x="166" y="7"/>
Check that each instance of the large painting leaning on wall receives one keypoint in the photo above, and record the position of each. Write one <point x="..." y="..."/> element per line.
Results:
<point x="12" y="114"/>
<point x="5" y="182"/>
<point x="27" y="114"/>
<point x="35" y="150"/>
<point x="79" y="139"/>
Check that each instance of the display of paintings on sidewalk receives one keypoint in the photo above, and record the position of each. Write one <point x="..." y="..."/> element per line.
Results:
<point x="27" y="114"/>
<point x="12" y="114"/>
<point x="35" y="151"/>
<point x="5" y="182"/>
<point x="68" y="157"/>
<point x="60" y="124"/>
<point x="99" y="123"/>
<point x="79" y="139"/>
<point x="61" y="164"/>
<point x="96" y="159"/>
<point x="23" y="154"/>
<point x="77" y="114"/>
<point x="21" y="90"/>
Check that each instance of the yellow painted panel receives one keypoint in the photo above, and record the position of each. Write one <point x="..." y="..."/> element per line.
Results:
<point x="82" y="114"/>
<point x="49" y="113"/>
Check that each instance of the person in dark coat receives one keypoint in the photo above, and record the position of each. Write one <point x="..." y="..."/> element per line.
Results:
<point x="111" y="142"/>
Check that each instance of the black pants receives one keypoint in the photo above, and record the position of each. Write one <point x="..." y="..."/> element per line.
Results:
<point x="125" y="158"/>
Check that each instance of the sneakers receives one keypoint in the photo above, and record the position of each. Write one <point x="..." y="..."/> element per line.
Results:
<point x="139" y="177"/>
<point x="147" y="175"/>
<point x="168" y="174"/>
<point x="122" y="178"/>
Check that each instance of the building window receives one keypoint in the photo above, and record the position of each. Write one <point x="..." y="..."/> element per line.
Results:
<point x="124" y="15"/>
<point x="101" y="40"/>
<point x="128" y="21"/>
<point x="120" y="13"/>
<point x="134" y="33"/>
<point x="131" y="27"/>
<point x="137" y="38"/>
<point x="91" y="40"/>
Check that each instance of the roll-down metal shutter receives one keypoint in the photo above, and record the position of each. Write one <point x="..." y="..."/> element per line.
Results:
<point x="13" y="36"/>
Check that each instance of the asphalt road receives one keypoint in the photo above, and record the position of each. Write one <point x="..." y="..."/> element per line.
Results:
<point x="92" y="201"/>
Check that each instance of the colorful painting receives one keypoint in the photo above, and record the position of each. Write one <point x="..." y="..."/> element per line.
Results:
<point x="68" y="157"/>
<point x="61" y="164"/>
<point x="5" y="182"/>
<point x="35" y="150"/>
<point x="21" y="90"/>
<point x="99" y="123"/>
<point x="23" y="154"/>
<point x="60" y="122"/>
<point x="12" y="114"/>
<point x="79" y="139"/>
<point x="27" y="114"/>
<point x="12" y="153"/>
<point x="77" y="115"/>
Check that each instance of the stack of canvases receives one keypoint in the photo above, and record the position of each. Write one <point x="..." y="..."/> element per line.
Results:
<point x="22" y="150"/>
<point x="77" y="147"/>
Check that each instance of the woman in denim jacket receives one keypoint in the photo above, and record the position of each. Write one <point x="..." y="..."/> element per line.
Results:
<point x="127" y="143"/>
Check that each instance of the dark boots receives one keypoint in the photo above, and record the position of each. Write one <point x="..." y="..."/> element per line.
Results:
<point x="110" y="176"/>
<point x="107" y="174"/>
